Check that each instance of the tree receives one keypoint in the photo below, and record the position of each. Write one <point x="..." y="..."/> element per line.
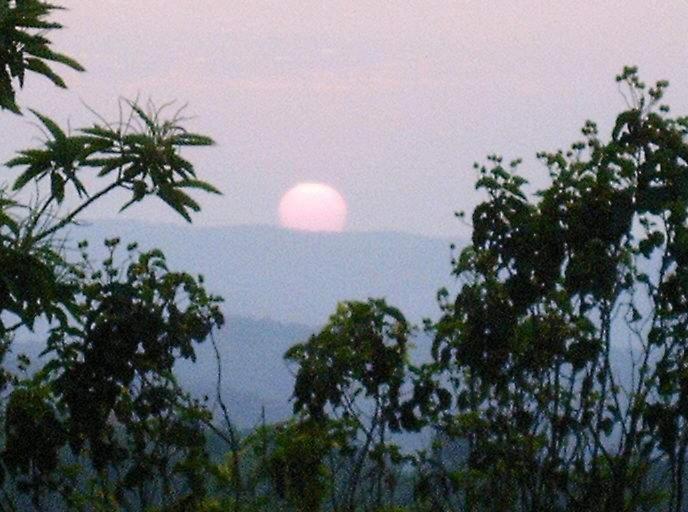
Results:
<point x="103" y="423"/>
<point x="108" y="395"/>
<point x="565" y="349"/>
<point x="349" y="379"/>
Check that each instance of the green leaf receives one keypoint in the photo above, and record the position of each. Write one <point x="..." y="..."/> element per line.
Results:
<point x="36" y="23"/>
<point x="57" y="187"/>
<point x="183" y="199"/>
<point x="191" y="139"/>
<point x="8" y="221"/>
<point x="19" y="160"/>
<point x="140" y="139"/>
<point x="7" y="101"/>
<point x="176" y="206"/>
<point x="28" y="175"/>
<point x="624" y="119"/>
<point x="42" y="68"/>
<point x="197" y="184"/>
<point x="139" y="111"/>
<point x="101" y="132"/>
<point x="46" y="53"/>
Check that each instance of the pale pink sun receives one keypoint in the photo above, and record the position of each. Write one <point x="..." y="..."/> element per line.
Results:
<point x="313" y="207"/>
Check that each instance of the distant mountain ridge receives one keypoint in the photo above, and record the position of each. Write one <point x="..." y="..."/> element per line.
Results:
<point x="290" y="276"/>
<point x="255" y="376"/>
<point x="279" y="287"/>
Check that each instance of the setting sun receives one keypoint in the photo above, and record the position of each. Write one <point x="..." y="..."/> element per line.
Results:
<point x="313" y="207"/>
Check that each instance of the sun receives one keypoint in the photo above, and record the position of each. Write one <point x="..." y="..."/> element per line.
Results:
<point x="313" y="207"/>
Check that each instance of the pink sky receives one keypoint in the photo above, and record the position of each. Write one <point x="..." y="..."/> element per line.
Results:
<point x="389" y="102"/>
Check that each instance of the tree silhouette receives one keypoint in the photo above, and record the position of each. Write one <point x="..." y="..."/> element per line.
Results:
<point x="102" y="423"/>
<point x="24" y="47"/>
<point x="560" y="291"/>
<point x="350" y="378"/>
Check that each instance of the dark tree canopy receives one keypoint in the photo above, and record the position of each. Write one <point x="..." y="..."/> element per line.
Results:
<point x="558" y="375"/>
<point x="101" y="423"/>
<point x="24" y="47"/>
<point x="560" y="291"/>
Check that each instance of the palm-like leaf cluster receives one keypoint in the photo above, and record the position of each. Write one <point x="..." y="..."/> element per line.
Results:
<point x="141" y="154"/>
<point x="24" y="46"/>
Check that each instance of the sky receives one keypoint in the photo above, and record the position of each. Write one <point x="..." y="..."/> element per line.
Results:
<point x="389" y="102"/>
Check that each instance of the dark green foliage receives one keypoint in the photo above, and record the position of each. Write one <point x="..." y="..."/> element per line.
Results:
<point x="108" y="392"/>
<point x="140" y="155"/>
<point x="32" y="431"/>
<point x="526" y="393"/>
<point x="25" y="47"/>
<point x="361" y="352"/>
<point x="558" y="290"/>
<point x="350" y="379"/>
<point x="30" y="285"/>
<point x="555" y="287"/>
<point x="101" y="424"/>
<point x="297" y="464"/>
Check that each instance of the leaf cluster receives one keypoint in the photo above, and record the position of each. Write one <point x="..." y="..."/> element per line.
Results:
<point x="107" y="392"/>
<point x="141" y="155"/>
<point x="25" y="47"/>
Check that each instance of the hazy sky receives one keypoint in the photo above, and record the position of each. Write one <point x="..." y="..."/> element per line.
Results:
<point x="389" y="102"/>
